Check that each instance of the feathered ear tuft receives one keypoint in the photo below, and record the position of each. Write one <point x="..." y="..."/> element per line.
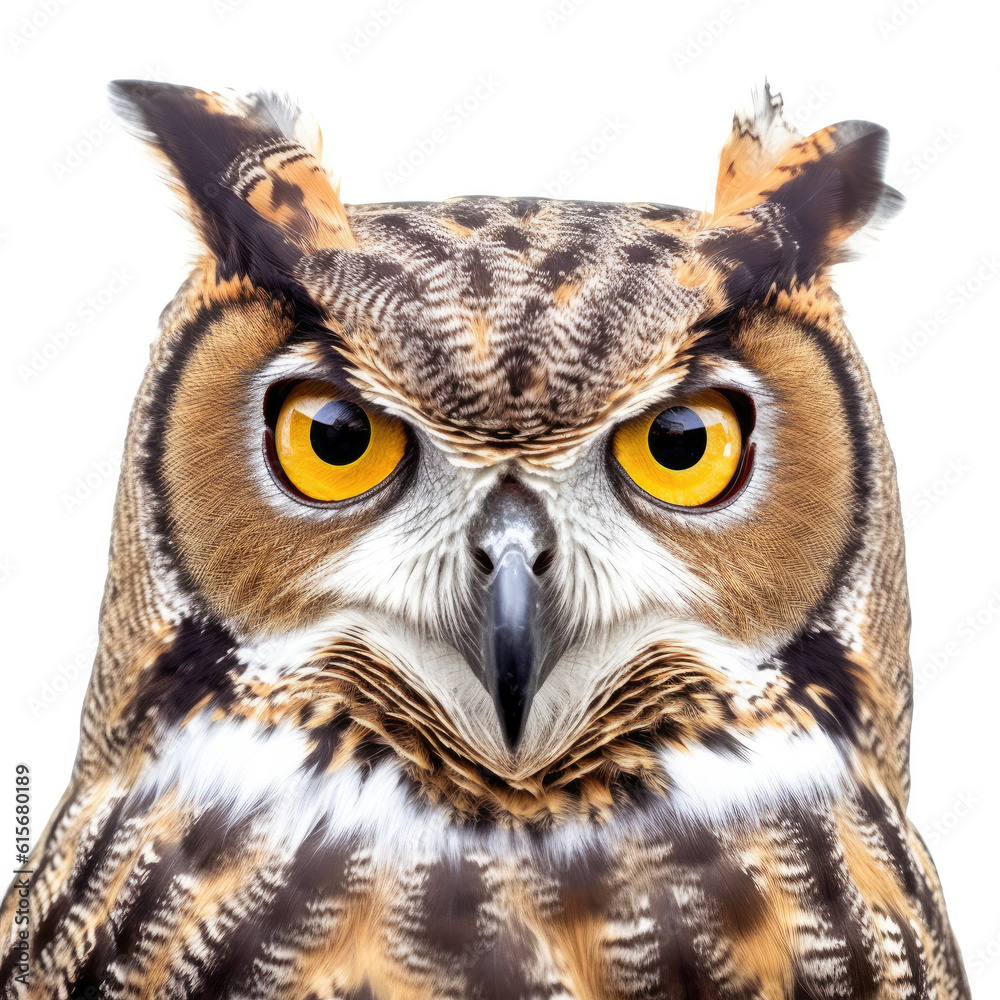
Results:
<point x="248" y="168"/>
<point x="755" y="145"/>
<point x="785" y="206"/>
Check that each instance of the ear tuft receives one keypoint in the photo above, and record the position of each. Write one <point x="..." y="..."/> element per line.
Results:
<point x="248" y="167"/>
<point x="785" y="206"/>
<point x="756" y="143"/>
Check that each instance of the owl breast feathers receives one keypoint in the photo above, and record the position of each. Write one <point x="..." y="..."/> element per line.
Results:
<point x="506" y="600"/>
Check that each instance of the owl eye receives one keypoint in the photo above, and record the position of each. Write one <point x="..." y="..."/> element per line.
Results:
<point x="687" y="454"/>
<point x="331" y="448"/>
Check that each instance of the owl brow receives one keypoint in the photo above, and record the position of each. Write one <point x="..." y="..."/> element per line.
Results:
<point x="311" y="332"/>
<point x="712" y="340"/>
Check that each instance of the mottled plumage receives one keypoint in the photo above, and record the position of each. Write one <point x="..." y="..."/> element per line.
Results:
<point x="313" y="764"/>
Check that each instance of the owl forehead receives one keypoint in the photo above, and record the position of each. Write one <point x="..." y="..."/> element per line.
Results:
<point x="509" y="319"/>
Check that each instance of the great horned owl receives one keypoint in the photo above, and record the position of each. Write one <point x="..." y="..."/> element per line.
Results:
<point x="506" y="600"/>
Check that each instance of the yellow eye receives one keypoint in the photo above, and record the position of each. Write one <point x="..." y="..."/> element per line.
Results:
<point x="331" y="448"/>
<point x="685" y="455"/>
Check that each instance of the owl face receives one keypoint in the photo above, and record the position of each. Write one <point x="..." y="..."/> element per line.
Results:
<point x="506" y="600"/>
<point x="528" y="477"/>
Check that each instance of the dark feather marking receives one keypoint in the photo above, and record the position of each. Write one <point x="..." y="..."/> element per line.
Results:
<point x="682" y="971"/>
<point x="714" y="343"/>
<point x="165" y="385"/>
<point x="497" y="967"/>
<point x="284" y="193"/>
<point x="892" y="839"/>
<point x="860" y="980"/>
<point x="531" y="309"/>
<point x="467" y="213"/>
<point x="842" y="189"/>
<point x="802" y="991"/>
<point x="362" y="992"/>
<point x="698" y="847"/>
<point x="667" y="241"/>
<point x="76" y="886"/>
<point x="313" y="874"/>
<point x="329" y="347"/>
<point x="326" y="739"/>
<point x="518" y="361"/>
<point x="914" y="959"/>
<point x="369" y="753"/>
<point x="513" y="238"/>
<point x="601" y="344"/>
<point x="741" y="906"/>
<point x="92" y="975"/>
<point x="8" y="969"/>
<point x="479" y="273"/>
<point x="404" y="222"/>
<point x="665" y="213"/>
<point x="452" y="896"/>
<point x="201" y="145"/>
<point x="818" y="658"/>
<point x="200" y="661"/>
<point x="558" y="267"/>
<point x="423" y="234"/>
<point x="524" y="208"/>
<point x="862" y="467"/>
<point x="640" y="253"/>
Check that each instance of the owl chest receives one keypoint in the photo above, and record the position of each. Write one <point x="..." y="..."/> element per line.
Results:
<point x="244" y="876"/>
<point x="350" y="885"/>
<point x="416" y="911"/>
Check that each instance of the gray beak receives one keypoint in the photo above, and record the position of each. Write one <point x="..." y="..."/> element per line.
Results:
<point x="512" y="542"/>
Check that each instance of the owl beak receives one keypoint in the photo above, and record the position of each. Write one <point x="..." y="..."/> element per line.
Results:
<point x="512" y="539"/>
<point x="511" y="647"/>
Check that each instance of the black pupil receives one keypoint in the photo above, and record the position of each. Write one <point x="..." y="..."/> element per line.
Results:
<point x="677" y="438"/>
<point x="340" y="432"/>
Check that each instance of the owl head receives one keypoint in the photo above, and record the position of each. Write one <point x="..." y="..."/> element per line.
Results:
<point x="532" y="498"/>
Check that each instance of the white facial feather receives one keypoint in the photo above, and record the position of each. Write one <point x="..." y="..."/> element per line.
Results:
<point x="433" y="667"/>
<point x="244" y="770"/>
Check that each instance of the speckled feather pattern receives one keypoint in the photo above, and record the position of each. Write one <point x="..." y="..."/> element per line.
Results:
<point x="289" y="783"/>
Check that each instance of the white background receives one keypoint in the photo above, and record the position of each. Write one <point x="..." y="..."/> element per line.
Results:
<point x="632" y="100"/>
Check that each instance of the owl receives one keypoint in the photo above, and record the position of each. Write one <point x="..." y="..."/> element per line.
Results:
<point x="506" y="601"/>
